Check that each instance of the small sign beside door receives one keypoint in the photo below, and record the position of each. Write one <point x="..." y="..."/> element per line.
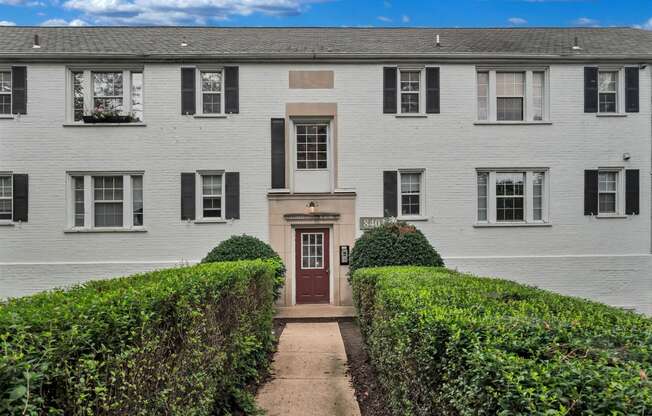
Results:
<point x="367" y="223"/>
<point x="344" y="255"/>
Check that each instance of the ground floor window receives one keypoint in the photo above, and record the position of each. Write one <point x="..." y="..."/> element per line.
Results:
<point x="607" y="192"/>
<point x="211" y="200"/>
<point x="410" y="193"/>
<point x="505" y="196"/>
<point x="6" y="197"/>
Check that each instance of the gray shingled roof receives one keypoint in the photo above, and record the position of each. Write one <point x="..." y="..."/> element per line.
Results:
<point x="288" y="43"/>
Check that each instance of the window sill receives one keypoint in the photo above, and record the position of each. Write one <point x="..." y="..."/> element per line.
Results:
<point x="606" y="216"/>
<point x="105" y="230"/>
<point x="104" y="125"/>
<point x="210" y="116"/>
<point x="611" y="115"/>
<point x="210" y="221"/>
<point x="6" y="117"/>
<point x="512" y="123"/>
<point x="510" y="224"/>
<point x="415" y="218"/>
<point x="408" y="115"/>
<point x="6" y="223"/>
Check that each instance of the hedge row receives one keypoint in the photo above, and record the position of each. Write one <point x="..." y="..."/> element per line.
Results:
<point x="183" y="341"/>
<point x="444" y="343"/>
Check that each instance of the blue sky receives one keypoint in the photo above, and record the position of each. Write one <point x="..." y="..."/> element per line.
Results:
<point x="444" y="13"/>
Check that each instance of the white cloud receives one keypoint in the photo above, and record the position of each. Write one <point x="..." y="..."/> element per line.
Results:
<point x="405" y="18"/>
<point x="586" y="21"/>
<point x="517" y="21"/>
<point x="647" y="25"/>
<point x="170" y="12"/>
<point x="62" y="22"/>
<point x="384" y="19"/>
<point x="7" y="23"/>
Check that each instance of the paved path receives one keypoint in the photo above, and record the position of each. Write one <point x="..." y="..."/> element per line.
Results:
<point x="309" y="374"/>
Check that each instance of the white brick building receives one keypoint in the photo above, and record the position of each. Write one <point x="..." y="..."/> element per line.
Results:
<point x="520" y="153"/>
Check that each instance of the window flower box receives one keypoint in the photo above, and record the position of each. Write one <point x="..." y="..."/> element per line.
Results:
<point x="101" y="118"/>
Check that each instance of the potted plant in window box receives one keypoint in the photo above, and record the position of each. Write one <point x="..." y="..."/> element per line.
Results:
<point x="103" y="116"/>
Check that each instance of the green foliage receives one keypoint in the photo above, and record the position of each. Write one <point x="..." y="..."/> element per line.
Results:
<point x="445" y="343"/>
<point x="394" y="244"/>
<point x="184" y="341"/>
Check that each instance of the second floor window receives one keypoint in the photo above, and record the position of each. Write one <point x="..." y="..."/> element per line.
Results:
<point x="211" y="92"/>
<point x="5" y="92"/>
<point x="607" y="91"/>
<point x="510" y="93"/>
<point x="511" y="96"/>
<point x="410" y="87"/>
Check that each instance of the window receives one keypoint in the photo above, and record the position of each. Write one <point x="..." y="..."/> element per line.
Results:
<point x="6" y="198"/>
<point x="5" y="92"/>
<point x="211" y="196"/>
<point x="508" y="96"/>
<point x="506" y="196"/>
<point x="312" y="250"/>
<point x="410" y="86"/>
<point x="607" y="91"/>
<point x="106" y="201"/>
<point x="510" y="90"/>
<point x="410" y="193"/>
<point x="211" y="92"/>
<point x="118" y="93"/>
<point x="607" y="192"/>
<point x="312" y="146"/>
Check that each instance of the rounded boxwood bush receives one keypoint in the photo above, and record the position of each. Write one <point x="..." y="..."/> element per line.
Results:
<point x="240" y="247"/>
<point x="394" y="244"/>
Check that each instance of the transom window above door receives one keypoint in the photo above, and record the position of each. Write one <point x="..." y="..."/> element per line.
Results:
<point x="312" y="146"/>
<point x="512" y="95"/>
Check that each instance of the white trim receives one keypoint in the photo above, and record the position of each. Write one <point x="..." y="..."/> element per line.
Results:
<point x="421" y="92"/>
<point x="422" y="195"/>
<point x="199" y="197"/>
<point x="199" y="94"/>
<point x="10" y="175"/>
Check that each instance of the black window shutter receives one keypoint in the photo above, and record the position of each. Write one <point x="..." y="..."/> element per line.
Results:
<point x="390" y="197"/>
<point x="590" y="90"/>
<point x="631" y="192"/>
<point x="631" y="90"/>
<point x="188" y="196"/>
<point x="231" y="90"/>
<point x="21" y="192"/>
<point x="389" y="90"/>
<point x="590" y="192"/>
<point x="432" y="90"/>
<point x="232" y="194"/>
<point x="19" y="90"/>
<point x="188" y="91"/>
<point x="278" y="153"/>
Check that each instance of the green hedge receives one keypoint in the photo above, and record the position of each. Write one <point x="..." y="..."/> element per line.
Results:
<point x="184" y="341"/>
<point x="445" y="343"/>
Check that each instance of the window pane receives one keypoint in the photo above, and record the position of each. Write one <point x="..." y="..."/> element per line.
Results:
<point x="607" y="181"/>
<point x="483" y="182"/>
<point x="5" y="82"/>
<point x="538" y="92"/>
<point x="212" y="207"/>
<point x="78" y="95"/>
<point x="509" y="109"/>
<point x="108" y="188"/>
<point x="410" y="86"/>
<point x="212" y="196"/>
<point x="410" y="193"/>
<point x="312" y="146"/>
<point x="108" y="214"/>
<point x="607" y="81"/>
<point x="137" y="191"/>
<point x="78" y="189"/>
<point x="211" y="81"/>
<point x="483" y="95"/>
<point x="211" y="103"/>
<point x="312" y="250"/>
<point x="137" y="95"/>
<point x="212" y="185"/>
<point x="409" y="103"/>
<point x="509" y="196"/>
<point x="5" y="103"/>
<point x="607" y="102"/>
<point x="510" y="84"/>
<point x="607" y="203"/>
<point x="6" y="198"/>
<point x="537" y="196"/>
<point x="107" y="91"/>
<point x="5" y="187"/>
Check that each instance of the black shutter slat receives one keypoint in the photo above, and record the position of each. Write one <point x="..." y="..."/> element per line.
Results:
<point x="231" y="90"/>
<point x="631" y="90"/>
<point x="278" y="153"/>
<point x="232" y="194"/>
<point x="389" y="90"/>
<point x="188" y="196"/>
<point x="590" y="192"/>
<point x="188" y="91"/>
<point x="590" y="90"/>
<point x="390" y="197"/>
<point x="432" y="90"/>
<point x="19" y="90"/>
<point x="21" y="193"/>
<point x="632" y="192"/>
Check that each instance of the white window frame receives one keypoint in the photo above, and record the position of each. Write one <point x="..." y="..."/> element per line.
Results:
<point x="528" y="98"/>
<point x="297" y="124"/>
<point x="528" y="196"/>
<point x="199" y="196"/>
<point x="199" y="95"/>
<point x="11" y="88"/>
<point x="89" y="201"/>
<point x="422" y="194"/>
<point x="10" y="198"/>
<point x="620" y="88"/>
<point x="87" y="87"/>
<point x="620" y="191"/>
<point x="421" y="92"/>
<point x="323" y="250"/>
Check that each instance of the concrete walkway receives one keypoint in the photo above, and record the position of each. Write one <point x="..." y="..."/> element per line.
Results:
<point x="309" y="374"/>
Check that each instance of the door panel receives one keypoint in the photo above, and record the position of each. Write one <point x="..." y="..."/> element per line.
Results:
<point x="312" y="265"/>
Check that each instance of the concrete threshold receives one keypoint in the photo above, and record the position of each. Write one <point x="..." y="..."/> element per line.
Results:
<point x="315" y="313"/>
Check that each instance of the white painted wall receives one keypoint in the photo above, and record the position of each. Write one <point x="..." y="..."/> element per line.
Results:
<point x="38" y="254"/>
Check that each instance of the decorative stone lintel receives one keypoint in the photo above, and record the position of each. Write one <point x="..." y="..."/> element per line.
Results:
<point x="317" y="216"/>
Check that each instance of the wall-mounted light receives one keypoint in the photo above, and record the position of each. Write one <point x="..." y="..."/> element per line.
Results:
<point x="626" y="156"/>
<point x="312" y="207"/>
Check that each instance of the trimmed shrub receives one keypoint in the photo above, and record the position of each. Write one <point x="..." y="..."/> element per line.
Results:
<point x="445" y="343"/>
<point x="394" y="244"/>
<point x="179" y="341"/>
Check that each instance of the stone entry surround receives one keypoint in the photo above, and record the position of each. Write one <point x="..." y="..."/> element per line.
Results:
<point x="335" y="211"/>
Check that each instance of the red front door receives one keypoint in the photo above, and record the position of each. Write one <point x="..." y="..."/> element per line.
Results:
<point x="312" y="265"/>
